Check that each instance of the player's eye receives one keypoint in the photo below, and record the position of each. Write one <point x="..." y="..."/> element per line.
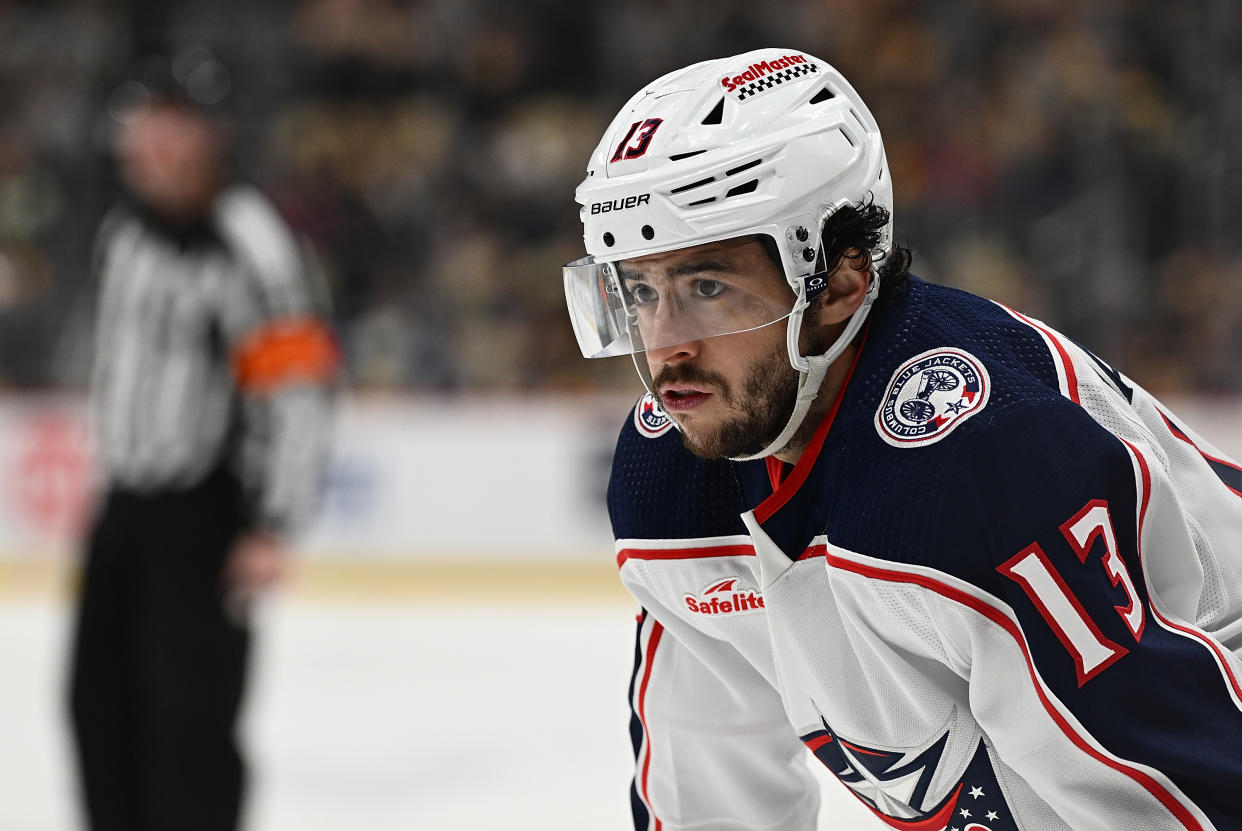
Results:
<point x="709" y="288"/>
<point x="642" y="293"/>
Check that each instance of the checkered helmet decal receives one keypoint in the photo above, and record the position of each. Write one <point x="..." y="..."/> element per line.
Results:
<point x="768" y="82"/>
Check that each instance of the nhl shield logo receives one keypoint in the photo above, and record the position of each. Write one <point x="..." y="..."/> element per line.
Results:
<point x="930" y="395"/>
<point x="649" y="419"/>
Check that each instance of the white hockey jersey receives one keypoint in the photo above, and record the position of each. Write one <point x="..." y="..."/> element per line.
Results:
<point x="1002" y="589"/>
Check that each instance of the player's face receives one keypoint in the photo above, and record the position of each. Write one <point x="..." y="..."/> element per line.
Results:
<point x="730" y="394"/>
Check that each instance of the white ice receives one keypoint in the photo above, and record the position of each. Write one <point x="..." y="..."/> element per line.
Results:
<point x="385" y="717"/>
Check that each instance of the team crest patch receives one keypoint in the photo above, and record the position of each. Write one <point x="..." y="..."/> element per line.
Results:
<point x="649" y="419"/>
<point x="930" y="395"/>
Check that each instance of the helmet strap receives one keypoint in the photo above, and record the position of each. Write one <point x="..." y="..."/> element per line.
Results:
<point x="813" y="368"/>
<point x="809" y="381"/>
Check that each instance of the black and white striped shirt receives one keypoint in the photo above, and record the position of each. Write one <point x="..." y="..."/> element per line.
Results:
<point x="202" y="359"/>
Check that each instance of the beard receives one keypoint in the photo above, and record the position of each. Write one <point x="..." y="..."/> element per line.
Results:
<point x="762" y="407"/>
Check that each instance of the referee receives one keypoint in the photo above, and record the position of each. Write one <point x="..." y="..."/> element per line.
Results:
<point x="210" y="397"/>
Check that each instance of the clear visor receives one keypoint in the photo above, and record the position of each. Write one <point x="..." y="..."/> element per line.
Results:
<point x="652" y="303"/>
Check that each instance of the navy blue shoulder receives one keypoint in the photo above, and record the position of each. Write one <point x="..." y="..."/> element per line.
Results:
<point x="997" y="478"/>
<point x="660" y="490"/>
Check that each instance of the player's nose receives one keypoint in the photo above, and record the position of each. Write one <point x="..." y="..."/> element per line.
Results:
<point x="677" y="353"/>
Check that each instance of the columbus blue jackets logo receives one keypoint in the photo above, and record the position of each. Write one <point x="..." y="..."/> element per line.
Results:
<point x="896" y="785"/>
<point x="931" y="394"/>
<point x="649" y="419"/>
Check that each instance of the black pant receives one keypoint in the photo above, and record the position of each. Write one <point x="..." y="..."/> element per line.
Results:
<point x="158" y="666"/>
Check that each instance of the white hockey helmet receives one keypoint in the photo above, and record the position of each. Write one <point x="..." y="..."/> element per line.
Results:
<point x="767" y="142"/>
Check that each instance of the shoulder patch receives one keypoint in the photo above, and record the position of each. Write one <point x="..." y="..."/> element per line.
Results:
<point x="649" y="419"/>
<point x="929" y="395"/>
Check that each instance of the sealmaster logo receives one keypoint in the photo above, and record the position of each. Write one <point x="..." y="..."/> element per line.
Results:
<point x="649" y="419"/>
<point x="930" y="395"/>
<point x="725" y="598"/>
<point x="765" y="75"/>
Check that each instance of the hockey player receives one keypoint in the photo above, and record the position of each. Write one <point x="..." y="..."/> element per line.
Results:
<point x="987" y="580"/>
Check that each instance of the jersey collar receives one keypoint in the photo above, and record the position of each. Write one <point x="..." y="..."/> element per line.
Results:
<point x="784" y="488"/>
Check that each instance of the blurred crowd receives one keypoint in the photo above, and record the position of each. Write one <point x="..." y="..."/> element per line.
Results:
<point x="1078" y="161"/>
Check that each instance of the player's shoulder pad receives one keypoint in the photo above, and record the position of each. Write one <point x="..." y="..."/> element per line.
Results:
<point x="660" y="490"/>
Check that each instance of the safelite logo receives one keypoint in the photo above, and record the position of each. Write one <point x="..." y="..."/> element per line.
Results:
<point x="649" y="419"/>
<point x="724" y="598"/>
<point x="930" y="395"/>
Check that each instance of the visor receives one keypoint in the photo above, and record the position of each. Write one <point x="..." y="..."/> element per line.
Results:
<point x="621" y="309"/>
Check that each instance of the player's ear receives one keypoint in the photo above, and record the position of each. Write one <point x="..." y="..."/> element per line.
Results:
<point x="847" y="288"/>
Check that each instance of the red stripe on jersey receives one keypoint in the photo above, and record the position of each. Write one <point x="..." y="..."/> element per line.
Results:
<point x="858" y="749"/>
<point x="806" y="461"/>
<point x="1000" y="619"/>
<point x="817" y="743"/>
<point x="814" y="551"/>
<point x="683" y="553"/>
<point x="1215" y="648"/>
<point x="641" y="705"/>
<point x="1071" y="377"/>
<point x="776" y="471"/>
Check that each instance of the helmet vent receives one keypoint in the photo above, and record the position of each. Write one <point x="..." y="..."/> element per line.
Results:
<point x="846" y="136"/>
<point x="749" y="187"/>
<point x="746" y="166"/>
<point x="700" y="183"/>
<point x="676" y="157"/>
<point x="701" y="202"/>
<point x="823" y="95"/>
<point x="716" y="115"/>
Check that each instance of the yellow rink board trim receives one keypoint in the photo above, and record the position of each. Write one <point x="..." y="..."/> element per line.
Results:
<point x="453" y="580"/>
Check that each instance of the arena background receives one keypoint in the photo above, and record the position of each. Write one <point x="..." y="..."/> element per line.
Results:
<point x="454" y="647"/>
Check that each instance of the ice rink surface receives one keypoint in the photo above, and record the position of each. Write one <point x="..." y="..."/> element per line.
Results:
<point x="384" y="716"/>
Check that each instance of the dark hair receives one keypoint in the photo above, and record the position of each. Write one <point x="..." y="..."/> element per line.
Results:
<point x="859" y="227"/>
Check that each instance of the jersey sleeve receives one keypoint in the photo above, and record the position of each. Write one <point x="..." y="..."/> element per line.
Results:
<point x="284" y="358"/>
<point x="1088" y="670"/>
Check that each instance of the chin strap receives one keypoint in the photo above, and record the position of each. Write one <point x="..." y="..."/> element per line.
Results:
<point x="808" y="389"/>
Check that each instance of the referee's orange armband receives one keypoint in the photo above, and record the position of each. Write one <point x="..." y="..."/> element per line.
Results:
<point x="285" y="351"/>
